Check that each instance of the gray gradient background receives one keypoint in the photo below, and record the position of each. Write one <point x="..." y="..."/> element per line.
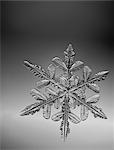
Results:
<point x="38" y="31"/>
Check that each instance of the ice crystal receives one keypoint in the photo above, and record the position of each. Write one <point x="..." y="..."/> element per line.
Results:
<point x="63" y="88"/>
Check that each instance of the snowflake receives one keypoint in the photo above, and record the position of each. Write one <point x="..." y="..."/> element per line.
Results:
<point x="63" y="88"/>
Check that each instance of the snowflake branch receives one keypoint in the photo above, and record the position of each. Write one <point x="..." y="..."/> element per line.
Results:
<point x="65" y="109"/>
<point x="36" y="106"/>
<point x="98" y="77"/>
<point x="95" y="110"/>
<point x="38" y="71"/>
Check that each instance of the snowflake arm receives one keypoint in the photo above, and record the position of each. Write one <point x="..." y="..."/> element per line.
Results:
<point x="97" y="77"/>
<point x="94" y="109"/>
<point x="40" y="73"/>
<point x="31" y="109"/>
